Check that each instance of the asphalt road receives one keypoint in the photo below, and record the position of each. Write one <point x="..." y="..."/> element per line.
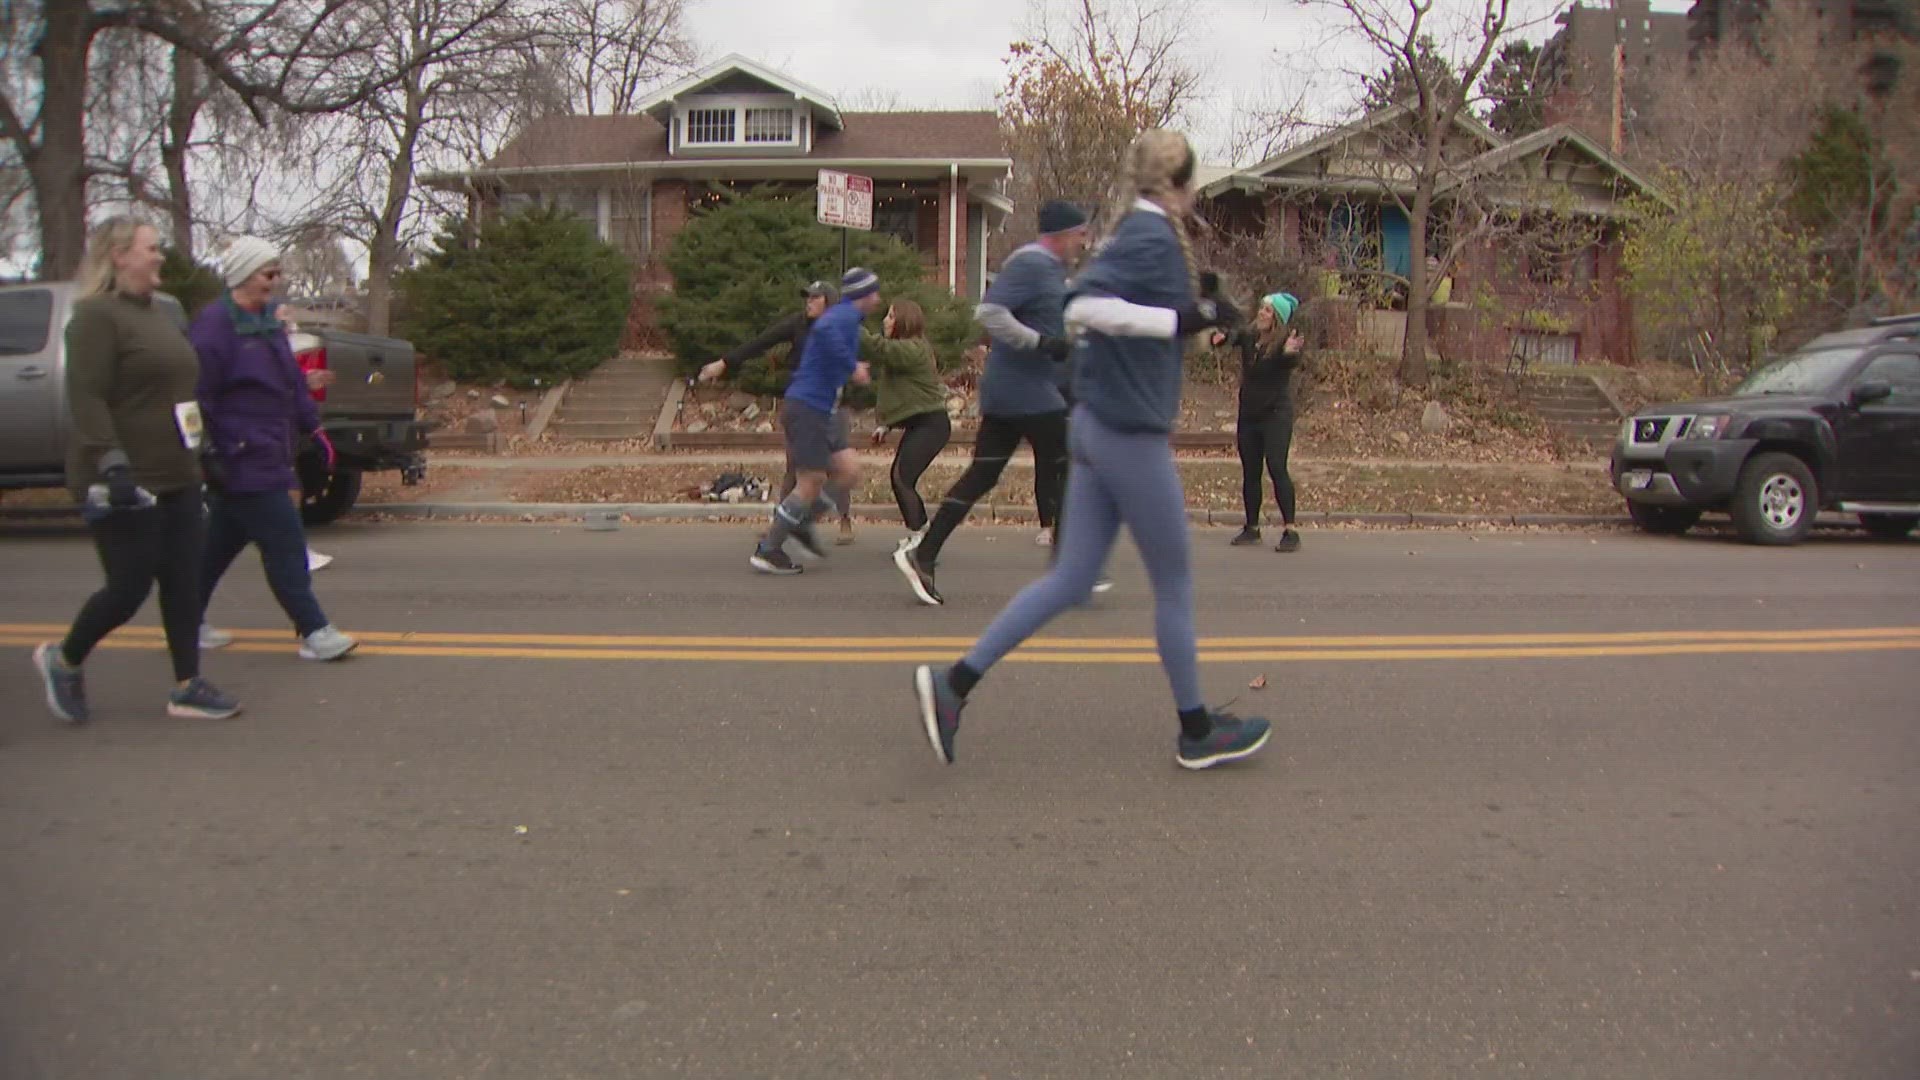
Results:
<point x="610" y="805"/>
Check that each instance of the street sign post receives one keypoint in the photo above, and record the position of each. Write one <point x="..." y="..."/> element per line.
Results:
<point x="844" y="201"/>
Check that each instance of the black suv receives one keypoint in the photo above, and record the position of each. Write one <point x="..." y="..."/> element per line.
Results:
<point x="1834" y="426"/>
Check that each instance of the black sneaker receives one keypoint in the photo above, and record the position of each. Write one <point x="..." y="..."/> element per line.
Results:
<point x="919" y="575"/>
<point x="939" y="710"/>
<point x="774" y="562"/>
<point x="1230" y="740"/>
<point x="1246" y="537"/>
<point x="66" y="687"/>
<point x="1289" y="541"/>
<point x="201" y="700"/>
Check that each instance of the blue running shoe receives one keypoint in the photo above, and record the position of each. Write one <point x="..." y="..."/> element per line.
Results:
<point x="201" y="700"/>
<point x="66" y="687"/>
<point x="940" y="709"/>
<point x="1230" y="740"/>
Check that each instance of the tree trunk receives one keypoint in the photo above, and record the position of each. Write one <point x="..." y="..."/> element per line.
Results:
<point x="58" y="165"/>
<point x="1413" y="355"/>
<point x="381" y="256"/>
<point x="173" y="149"/>
<point x="383" y="252"/>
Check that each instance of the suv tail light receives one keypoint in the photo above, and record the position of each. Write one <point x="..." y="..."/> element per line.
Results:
<point x="314" y="359"/>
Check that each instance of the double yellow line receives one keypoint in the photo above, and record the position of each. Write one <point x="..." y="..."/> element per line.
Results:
<point x="894" y="650"/>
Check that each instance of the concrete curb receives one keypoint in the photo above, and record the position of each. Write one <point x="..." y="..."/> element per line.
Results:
<point x="550" y="403"/>
<point x="1004" y="515"/>
<point x="669" y="412"/>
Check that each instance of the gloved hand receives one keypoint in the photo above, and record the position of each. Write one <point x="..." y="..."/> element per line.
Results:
<point x="1201" y="315"/>
<point x="326" y="448"/>
<point x="122" y="492"/>
<point x="1054" y="348"/>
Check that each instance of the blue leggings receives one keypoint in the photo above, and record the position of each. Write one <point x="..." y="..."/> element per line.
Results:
<point x="1117" y="478"/>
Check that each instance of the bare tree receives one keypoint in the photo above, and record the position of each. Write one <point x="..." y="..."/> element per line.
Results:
<point x="316" y="264"/>
<point x="1260" y="130"/>
<point x="1087" y="78"/>
<point x="607" y="54"/>
<point x="367" y="156"/>
<point x="145" y="133"/>
<point x="300" y="55"/>
<point x="1436" y="54"/>
<point x="1738" y="113"/>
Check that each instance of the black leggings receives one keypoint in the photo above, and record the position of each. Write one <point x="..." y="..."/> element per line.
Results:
<point x="1265" y="442"/>
<point x="922" y="437"/>
<point x="993" y="447"/>
<point x="136" y="548"/>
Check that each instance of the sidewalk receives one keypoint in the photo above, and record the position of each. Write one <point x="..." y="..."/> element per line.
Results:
<point x="1023" y="458"/>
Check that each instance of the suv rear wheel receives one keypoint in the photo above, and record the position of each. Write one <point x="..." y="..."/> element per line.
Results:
<point x="1775" y="500"/>
<point x="1662" y="520"/>
<point x="1889" y="526"/>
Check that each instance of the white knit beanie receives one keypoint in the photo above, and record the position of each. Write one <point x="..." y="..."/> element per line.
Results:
<point x="245" y="256"/>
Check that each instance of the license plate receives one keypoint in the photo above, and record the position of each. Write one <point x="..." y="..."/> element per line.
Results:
<point x="1637" y="479"/>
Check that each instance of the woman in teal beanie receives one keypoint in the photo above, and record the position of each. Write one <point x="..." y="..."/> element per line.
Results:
<point x="1270" y="349"/>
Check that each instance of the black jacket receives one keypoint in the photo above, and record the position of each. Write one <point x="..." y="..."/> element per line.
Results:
<point x="1266" y="377"/>
<point x="791" y="329"/>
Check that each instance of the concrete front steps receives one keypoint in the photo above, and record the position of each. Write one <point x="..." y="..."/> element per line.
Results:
<point x="620" y="400"/>
<point x="1574" y="408"/>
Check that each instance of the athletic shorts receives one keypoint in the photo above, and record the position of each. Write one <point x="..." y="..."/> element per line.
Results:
<point x="813" y="437"/>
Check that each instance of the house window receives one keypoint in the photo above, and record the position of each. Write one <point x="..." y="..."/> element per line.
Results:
<point x="769" y="125"/>
<point x="708" y="126"/>
<point x="583" y="203"/>
<point x="1546" y="348"/>
<point x="898" y="218"/>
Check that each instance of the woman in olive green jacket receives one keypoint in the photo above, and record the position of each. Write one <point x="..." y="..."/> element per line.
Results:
<point x="911" y="397"/>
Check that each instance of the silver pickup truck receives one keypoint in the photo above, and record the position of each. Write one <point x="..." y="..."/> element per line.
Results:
<point x="368" y="411"/>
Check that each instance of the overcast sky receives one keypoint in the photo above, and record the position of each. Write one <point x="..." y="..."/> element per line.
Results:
<point x="949" y="54"/>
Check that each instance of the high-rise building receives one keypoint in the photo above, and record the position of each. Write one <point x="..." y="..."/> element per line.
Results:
<point x="1711" y="22"/>
<point x="1579" y="60"/>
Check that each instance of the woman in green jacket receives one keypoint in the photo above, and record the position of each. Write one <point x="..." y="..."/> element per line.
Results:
<point x="911" y="397"/>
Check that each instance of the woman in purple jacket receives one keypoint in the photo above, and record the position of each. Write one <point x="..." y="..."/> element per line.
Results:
<point x="257" y="409"/>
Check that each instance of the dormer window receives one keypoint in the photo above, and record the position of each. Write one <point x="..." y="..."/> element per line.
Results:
<point x="738" y="108"/>
<point x="710" y="127"/>
<point x="770" y="126"/>
<point x="714" y="121"/>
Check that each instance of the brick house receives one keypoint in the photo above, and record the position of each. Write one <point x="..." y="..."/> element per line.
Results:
<point x="939" y="177"/>
<point x="1336" y="201"/>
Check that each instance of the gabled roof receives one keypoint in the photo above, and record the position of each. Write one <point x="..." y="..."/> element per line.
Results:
<point x="1499" y="153"/>
<point x="659" y="104"/>
<point x="1544" y="141"/>
<point x="576" y="143"/>
<point x="1375" y="119"/>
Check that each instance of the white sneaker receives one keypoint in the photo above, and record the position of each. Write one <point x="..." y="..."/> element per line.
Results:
<point x="317" y="561"/>
<point x="326" y="643"/>
<point x="910" y="541"/>
<point x="1104" y="585"/>
<point x="1044" y="538"/>
<point x="211" y="638"/>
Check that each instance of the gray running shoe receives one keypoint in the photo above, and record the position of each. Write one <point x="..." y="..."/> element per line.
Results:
<point x="66" y="687"/>
<point x="326" y="643"/>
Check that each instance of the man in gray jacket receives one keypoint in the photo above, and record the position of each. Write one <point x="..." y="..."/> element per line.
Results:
<point x="1024" y="312"/>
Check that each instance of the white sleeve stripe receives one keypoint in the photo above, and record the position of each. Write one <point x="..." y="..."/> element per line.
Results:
<point x="1117" y="318"/>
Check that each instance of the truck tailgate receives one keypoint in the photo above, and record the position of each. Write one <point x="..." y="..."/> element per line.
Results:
<point x="373" y="376"/>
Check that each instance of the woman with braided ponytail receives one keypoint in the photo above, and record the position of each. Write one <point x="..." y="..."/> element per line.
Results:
<point x="1134" y="306"/>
